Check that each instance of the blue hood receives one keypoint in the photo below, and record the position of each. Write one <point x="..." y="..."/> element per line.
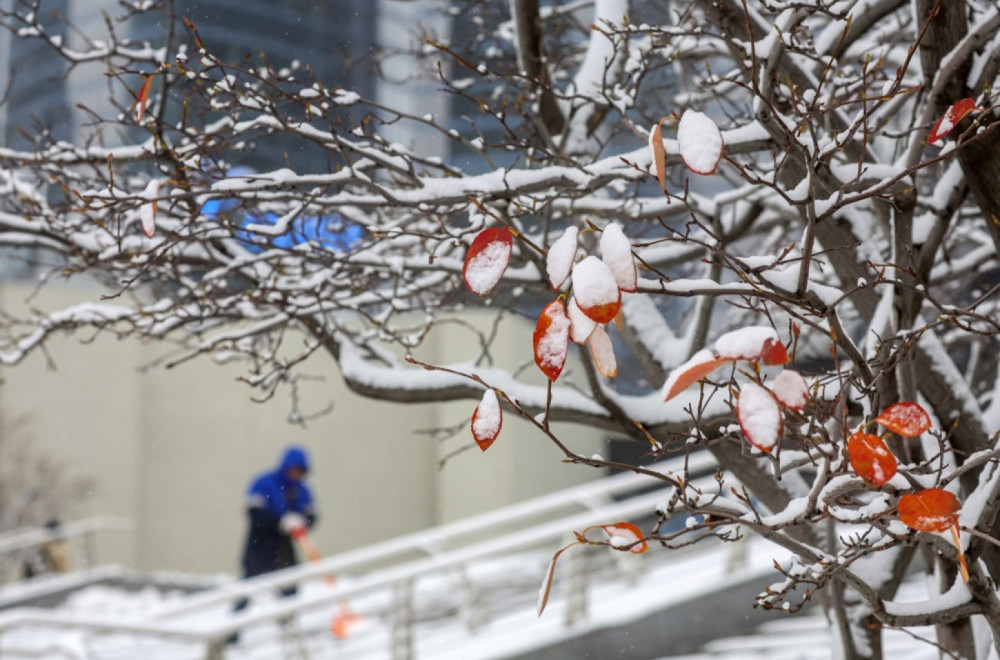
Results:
<point x="295" y="457"/>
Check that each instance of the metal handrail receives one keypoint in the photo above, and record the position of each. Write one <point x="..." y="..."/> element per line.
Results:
<point x="175" y="621"/>
<point x="433" y="541"/>
<point x="24" y="539"/>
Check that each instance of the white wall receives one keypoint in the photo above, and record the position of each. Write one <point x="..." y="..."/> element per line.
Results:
<point x="173" y="450"/>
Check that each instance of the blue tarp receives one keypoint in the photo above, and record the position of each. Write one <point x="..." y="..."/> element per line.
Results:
<point x="329" y="232"/>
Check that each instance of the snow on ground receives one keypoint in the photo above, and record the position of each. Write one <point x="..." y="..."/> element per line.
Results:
<point x="452" y="623"/>
<point x="499" y="622"/>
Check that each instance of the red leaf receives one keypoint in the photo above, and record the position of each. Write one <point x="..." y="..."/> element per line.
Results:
<point x="487" y="420"/>
<point x="871" y="459"/>
<point x="551" y="339"/>
<point x="700" y="365"/>
<point x="596" y="289"/>
<point x="759" y="416"/>
<point x="931" y="510"/>
<point x="955" y="113"/>
<point x="142" y="99"/>
<point x="487" y="259"/>
<point x="626" y="535"/>
<point x="905" y="418"/>
<point x="773" y="352"/>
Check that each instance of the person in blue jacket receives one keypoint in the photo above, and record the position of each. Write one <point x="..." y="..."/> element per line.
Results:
<point x="279" y="503"/>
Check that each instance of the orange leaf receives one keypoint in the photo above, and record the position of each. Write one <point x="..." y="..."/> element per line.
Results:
<point x="955" y="113"/>
<point x="625" y="535"/>
<point x="962" y="566"/>
<point x="659" y="155"/>
<point x="143" y="98"/>
<point x="871" y="459"/>
<point x="699" y="366"/>
<point x="551" y="339"/>
<point x="905" y="418"/>
<point x="546" y="589"/>
<point x="603" y="352"/>
<point x="487" y="259"/>
<point x="487" y="420"/>
<point x="930" y="510"/>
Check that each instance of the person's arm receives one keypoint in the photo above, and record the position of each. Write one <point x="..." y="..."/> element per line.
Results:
<point x="261" y="515"/>
<point x="305" y="505"/>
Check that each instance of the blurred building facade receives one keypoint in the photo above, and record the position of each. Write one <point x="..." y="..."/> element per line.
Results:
<point x="173" y="450"/>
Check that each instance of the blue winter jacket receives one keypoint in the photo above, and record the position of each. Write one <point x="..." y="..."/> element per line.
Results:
<point x="271" y="495"/>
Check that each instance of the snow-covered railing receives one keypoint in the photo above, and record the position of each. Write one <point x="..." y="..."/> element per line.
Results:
<point x="389" y="572"/>
<point x="18" y="545"/>
<point x="594" y="497"/>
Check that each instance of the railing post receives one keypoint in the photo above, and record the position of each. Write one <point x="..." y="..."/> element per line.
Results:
<point x="631" y="566"/>
<point x="215" y="649"/>
<point x="88" y="549"/>
<point x="401" y="630"/>
<point x="577" y="607"/>
<point x="471" y="604"/>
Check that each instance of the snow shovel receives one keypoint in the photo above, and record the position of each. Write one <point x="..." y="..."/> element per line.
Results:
<point x="345" y="619"/>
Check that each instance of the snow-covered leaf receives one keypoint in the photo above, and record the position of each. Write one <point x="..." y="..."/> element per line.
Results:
<point x="551" y="339"/>
<point x="759" y="416"/>
<point x="487" y="420"/>
<point x="581" y="325"/>
<point x="700" y="365"/>
<point x="616" y="251"/>
<point x="559" y="260"/>
<point x="930" y="510"/>
<point x="699" y="142"/>
<point x="954" y="114"/>
<point x="596" y="290"/>
<point x="603" y="352"/>
<point x="626" y="535"/>
<point x="790" y="389"/>
<point x="487" y="259"/>
<point x="753" y="343"/>
<point x="871" y="459"/>
<point x="147" y="212"/>
<point x="905" y="418"/>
